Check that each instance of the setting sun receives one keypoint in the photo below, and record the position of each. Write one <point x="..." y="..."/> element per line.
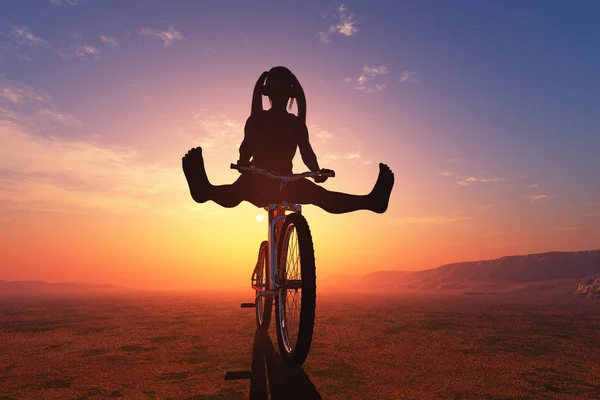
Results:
<point x="260" y="218"/>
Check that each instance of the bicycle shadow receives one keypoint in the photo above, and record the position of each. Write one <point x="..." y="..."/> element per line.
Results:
<point x="271" y="378"/>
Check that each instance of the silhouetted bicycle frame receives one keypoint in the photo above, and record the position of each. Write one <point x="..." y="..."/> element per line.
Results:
<point x="285" y="270"/>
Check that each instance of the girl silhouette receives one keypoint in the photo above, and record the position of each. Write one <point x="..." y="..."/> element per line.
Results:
<point x="271" y="138"/>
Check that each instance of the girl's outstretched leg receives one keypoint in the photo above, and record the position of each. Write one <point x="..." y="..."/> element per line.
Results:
<point x="193" y="168"/>
<point x="201" y="188"/>
<point x="307" y="192"/>
<point x="380" y="195"/>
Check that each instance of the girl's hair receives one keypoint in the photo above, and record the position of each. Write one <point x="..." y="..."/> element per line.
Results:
<point x="296" y="92"/>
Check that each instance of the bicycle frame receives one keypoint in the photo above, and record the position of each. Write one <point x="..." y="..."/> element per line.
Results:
<point x="277" y="213"/>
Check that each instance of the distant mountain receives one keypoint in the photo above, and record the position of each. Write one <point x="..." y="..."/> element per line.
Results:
<point x="511" y="273"/>
<point x="27" y="288"/>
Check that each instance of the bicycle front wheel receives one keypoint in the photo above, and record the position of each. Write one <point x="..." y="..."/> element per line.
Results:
<point x="297" y="290"/>
<point x="263" y="304"/>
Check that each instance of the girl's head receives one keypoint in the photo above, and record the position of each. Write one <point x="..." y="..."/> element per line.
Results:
<point x="280" y="85"/>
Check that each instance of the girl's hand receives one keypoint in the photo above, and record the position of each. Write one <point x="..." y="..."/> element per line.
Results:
<point x="321" y="179"/>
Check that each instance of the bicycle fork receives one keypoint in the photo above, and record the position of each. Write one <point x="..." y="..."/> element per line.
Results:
<point x="275" y="216"/>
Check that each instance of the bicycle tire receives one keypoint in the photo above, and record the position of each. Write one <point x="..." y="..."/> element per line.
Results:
<point x="294" y="342"/>
<point x="264" y="305"/>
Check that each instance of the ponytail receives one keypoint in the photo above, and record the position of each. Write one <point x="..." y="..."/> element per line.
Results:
<point x="298" y="93"/>
<point x="257" y="95"/>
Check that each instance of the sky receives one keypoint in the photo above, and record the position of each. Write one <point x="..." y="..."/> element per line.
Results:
<point x="486" y="111"/>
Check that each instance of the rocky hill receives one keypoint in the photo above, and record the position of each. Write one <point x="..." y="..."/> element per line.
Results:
<point x="512" y="273"/>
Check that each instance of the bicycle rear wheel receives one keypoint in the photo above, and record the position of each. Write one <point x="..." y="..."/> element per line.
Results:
<point x="297" y="290"/>
<point x="264" y="305"/>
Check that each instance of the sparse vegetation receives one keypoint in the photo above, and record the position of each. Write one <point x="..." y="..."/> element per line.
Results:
<point x="461" y="347"/>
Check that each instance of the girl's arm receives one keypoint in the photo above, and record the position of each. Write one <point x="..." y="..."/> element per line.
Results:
<point x="306" y="151"/>
<point x="246" y="148"/>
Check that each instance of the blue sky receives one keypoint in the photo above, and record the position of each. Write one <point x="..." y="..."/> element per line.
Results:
<point x="485" y="110"/>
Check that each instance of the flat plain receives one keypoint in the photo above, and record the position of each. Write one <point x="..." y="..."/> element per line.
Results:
<point x="365" y="346"/>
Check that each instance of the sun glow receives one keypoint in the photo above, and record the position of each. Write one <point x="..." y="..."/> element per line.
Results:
<point x="260" y="218"/>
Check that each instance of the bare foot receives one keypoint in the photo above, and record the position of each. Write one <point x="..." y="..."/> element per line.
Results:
<point x="193" y="168"/>
<point x="380" y="195"/>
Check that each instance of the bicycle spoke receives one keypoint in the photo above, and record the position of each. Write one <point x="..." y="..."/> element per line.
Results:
<point x="292" y="288"/>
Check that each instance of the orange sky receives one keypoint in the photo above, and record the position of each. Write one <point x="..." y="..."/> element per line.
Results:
<point x="93" y="126"/>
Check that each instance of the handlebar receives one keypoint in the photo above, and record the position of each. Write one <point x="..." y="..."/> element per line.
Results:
<point x="272" y="175"/>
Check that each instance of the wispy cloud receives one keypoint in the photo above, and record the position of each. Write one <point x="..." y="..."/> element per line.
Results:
<point x="24" y="37"/>
<point x="370" y="79"/>
<point x="19" y="94"/>
<point x="60" y="117"/>
<point x="61" y="174"/>
<point x="214" y="132"/>
<point x="25" y="105"/>
<point x="409" y="77"/>
<point x="109" y="40"/>
<point x="79" y="49"/>
<point x="345" y="25"/>
<point x="536" y="198"/>
<point x="318" y="133"/>
<point x="347" y="156"/>
<point x="168" y="36"/>
<point x="469" y="180"/>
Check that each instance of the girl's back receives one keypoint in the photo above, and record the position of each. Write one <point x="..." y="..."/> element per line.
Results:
<point x="273" y="138"/>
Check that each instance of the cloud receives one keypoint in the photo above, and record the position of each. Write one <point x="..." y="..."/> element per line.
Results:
<point x="60" y="117"/>
<point x="168" y="36"/>
<point x="409" y="77"/>
<point x="218" y="132"/>
<point x="209" y="50"/>
<point x="484" y="207"/>
<point x="370" y="79"/>
<point x="324" y="37"/>
<point x="20" y="94"/>
<point x="347" y="156"/>
<point x="322" y="135"/>
<point x="533" y="185"/>
<point x="79" y="49"/>
<point x="434" y="220"/>
<point x="345" y="25"/>
<point x="21" y="103"/>
<point x="318" y="133"/>
<point x="468" y="180"/>
<point x="24" y="37"/>
<point x="109" y="40"/>
<point x="66" y="175"/>
<point x="536" y="198"/>
<point x="446" y="173"/>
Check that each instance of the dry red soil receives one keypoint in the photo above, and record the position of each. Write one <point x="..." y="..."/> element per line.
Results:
<point x="365" y="347"/>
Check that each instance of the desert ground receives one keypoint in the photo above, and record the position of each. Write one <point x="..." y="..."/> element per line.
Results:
<point x="182" y="345"/>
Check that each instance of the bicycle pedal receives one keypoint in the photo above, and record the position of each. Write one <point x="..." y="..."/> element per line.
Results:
<point x="248" y="305"/>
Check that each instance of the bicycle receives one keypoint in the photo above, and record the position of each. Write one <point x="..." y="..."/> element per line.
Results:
<point x="285" y="272"/>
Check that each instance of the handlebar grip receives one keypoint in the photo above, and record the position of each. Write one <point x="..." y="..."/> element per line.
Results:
<point x="332" y="174"/>
<point x="233" y="166"/>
